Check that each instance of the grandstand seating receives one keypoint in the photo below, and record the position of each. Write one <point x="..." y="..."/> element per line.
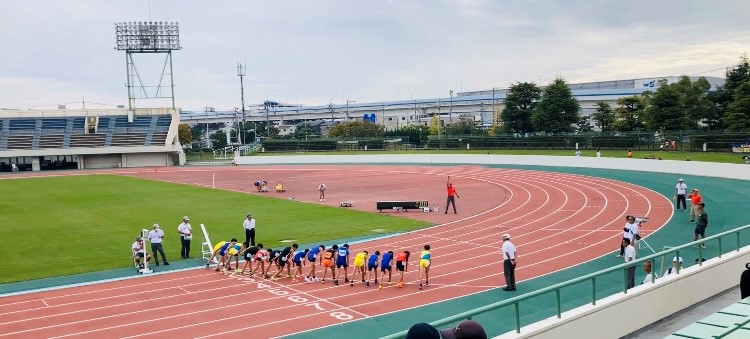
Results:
<point x="70" y="132"/>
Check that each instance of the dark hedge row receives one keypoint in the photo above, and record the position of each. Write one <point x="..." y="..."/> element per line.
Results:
<point x="714" y="141"/>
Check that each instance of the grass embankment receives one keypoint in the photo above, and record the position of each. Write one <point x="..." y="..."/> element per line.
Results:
<point x="64" y="225"/>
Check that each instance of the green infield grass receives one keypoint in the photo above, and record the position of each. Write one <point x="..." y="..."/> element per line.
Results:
<point x="57" y="226"/>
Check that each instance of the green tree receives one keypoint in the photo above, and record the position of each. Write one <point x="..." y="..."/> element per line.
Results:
<point x="463" y="127"/>
<point x="583" y="125"/>
<point x="519" y="106"/>
<point x="630" y="114"/>
<point x="415" y="133"/>
<point x="219" y="139"/>
<point x="305" y="131"/>
<point x="695" y="101"/>
<point x="737" y="117"/>
<point x="198" y="132"/>
<point x="604" y="117"/>
<point x="665" y="111"/>
<point x="435" y="125"/>
<point x="557" y="111"/>
<point x="184" y="135"/>
<point x="357" y="129"/>
<point x="735" y="77"/>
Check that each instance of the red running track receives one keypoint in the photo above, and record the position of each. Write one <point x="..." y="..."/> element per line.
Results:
<point x="537" y="208"/>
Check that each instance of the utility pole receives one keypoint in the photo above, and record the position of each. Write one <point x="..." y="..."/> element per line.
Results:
<point x="330" y="108"/>
<point x="416" y="117"/>
<point x="206" y="109"/>
<point x="241" y="74"/>
<point x="268" y="127"/>
<point x="450" y="112"/>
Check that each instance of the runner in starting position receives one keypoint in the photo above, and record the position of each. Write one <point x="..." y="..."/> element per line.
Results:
<point x="402" y="265"/>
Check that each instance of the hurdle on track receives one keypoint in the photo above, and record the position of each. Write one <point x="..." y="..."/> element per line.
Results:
<point x="207" y="249"/>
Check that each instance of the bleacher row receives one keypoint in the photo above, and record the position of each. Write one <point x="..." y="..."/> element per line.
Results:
<point x="71" y="132"/>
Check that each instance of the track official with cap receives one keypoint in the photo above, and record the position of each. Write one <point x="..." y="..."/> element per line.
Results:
<point x="680" y="190"/>
<point x="186" y="236"/>
<point x="156" y="236"/>
<point x="509" y="263"/>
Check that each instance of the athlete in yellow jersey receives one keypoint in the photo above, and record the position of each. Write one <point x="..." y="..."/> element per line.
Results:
<point x="359" y="266"/>
<point x="215" y="252"/>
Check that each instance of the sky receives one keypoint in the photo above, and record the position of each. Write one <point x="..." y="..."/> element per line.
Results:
<point x="312" y="52"/>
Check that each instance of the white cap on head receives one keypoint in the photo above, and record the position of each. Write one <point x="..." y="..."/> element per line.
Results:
<point x="156" y="225"/>
<point x="506" y="236"/>
<point x="680" y="179"/>
<point x="185" y="218"/>
<point x="676" y="259"/>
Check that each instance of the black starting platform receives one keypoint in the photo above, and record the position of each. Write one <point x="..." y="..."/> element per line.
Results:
<point x="402" y="205"/>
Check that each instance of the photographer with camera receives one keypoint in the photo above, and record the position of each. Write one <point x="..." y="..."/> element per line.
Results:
<point x="627" y="233"/>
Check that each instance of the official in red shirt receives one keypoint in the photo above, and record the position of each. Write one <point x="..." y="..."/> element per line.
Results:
<point x="451" y="194"/>
<point x="695" y="200"/>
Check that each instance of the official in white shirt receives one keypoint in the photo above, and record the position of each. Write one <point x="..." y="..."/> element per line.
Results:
<point x="680" y="190"/>
<point x="155" y="236"/>
<point x="186" y="235"/>
<point x="509" y="263"/>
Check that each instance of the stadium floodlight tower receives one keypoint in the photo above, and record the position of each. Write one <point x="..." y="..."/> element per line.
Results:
<point x="148" y="37"/>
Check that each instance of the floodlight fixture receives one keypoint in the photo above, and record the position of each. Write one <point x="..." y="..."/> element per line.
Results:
<point x="148" y="37"/>
<point x="143" y="36"/>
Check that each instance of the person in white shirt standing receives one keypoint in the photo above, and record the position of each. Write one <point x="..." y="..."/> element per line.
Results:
<point x="186" y="235"/>
<point x="680" y="190"/>
<point x="509" y="263"/>
<point x="156" y="236"/>
<point x="629" y="257"/>
<point x="249" y="225"/>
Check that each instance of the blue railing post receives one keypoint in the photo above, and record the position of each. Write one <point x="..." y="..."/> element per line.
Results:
<point x="559" y="304"/>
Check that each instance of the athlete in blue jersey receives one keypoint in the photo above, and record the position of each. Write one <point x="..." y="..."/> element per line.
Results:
<point x="298" y="259"/>
<point x="343" y="261"/>
<point x="312" y="257"/>
<point x="386" y="264"/>
<point x="372" y="266"/>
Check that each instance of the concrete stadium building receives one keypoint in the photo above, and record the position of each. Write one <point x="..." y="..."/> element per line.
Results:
<point x="89" y="138"/>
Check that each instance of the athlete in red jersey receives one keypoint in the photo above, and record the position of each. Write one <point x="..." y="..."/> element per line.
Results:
<point x="402" y="265"/>
<point x="451" y="194"/>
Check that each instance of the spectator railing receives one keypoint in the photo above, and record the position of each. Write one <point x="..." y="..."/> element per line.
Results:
<point x="592" y="278"/>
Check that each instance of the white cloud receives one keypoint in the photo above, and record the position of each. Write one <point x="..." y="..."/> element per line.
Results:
<point x="315" y="52"/>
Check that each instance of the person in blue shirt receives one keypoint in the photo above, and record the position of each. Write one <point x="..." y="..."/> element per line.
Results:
<point x="312" y="257"/>
<point x="298" y="259"/>
<point x="372" y="266"/>
<point x="386" y="264"/>
<point x="343" y="261"/>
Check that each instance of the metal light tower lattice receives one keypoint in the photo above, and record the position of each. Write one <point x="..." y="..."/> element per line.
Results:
<point x="144" y="38"/>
